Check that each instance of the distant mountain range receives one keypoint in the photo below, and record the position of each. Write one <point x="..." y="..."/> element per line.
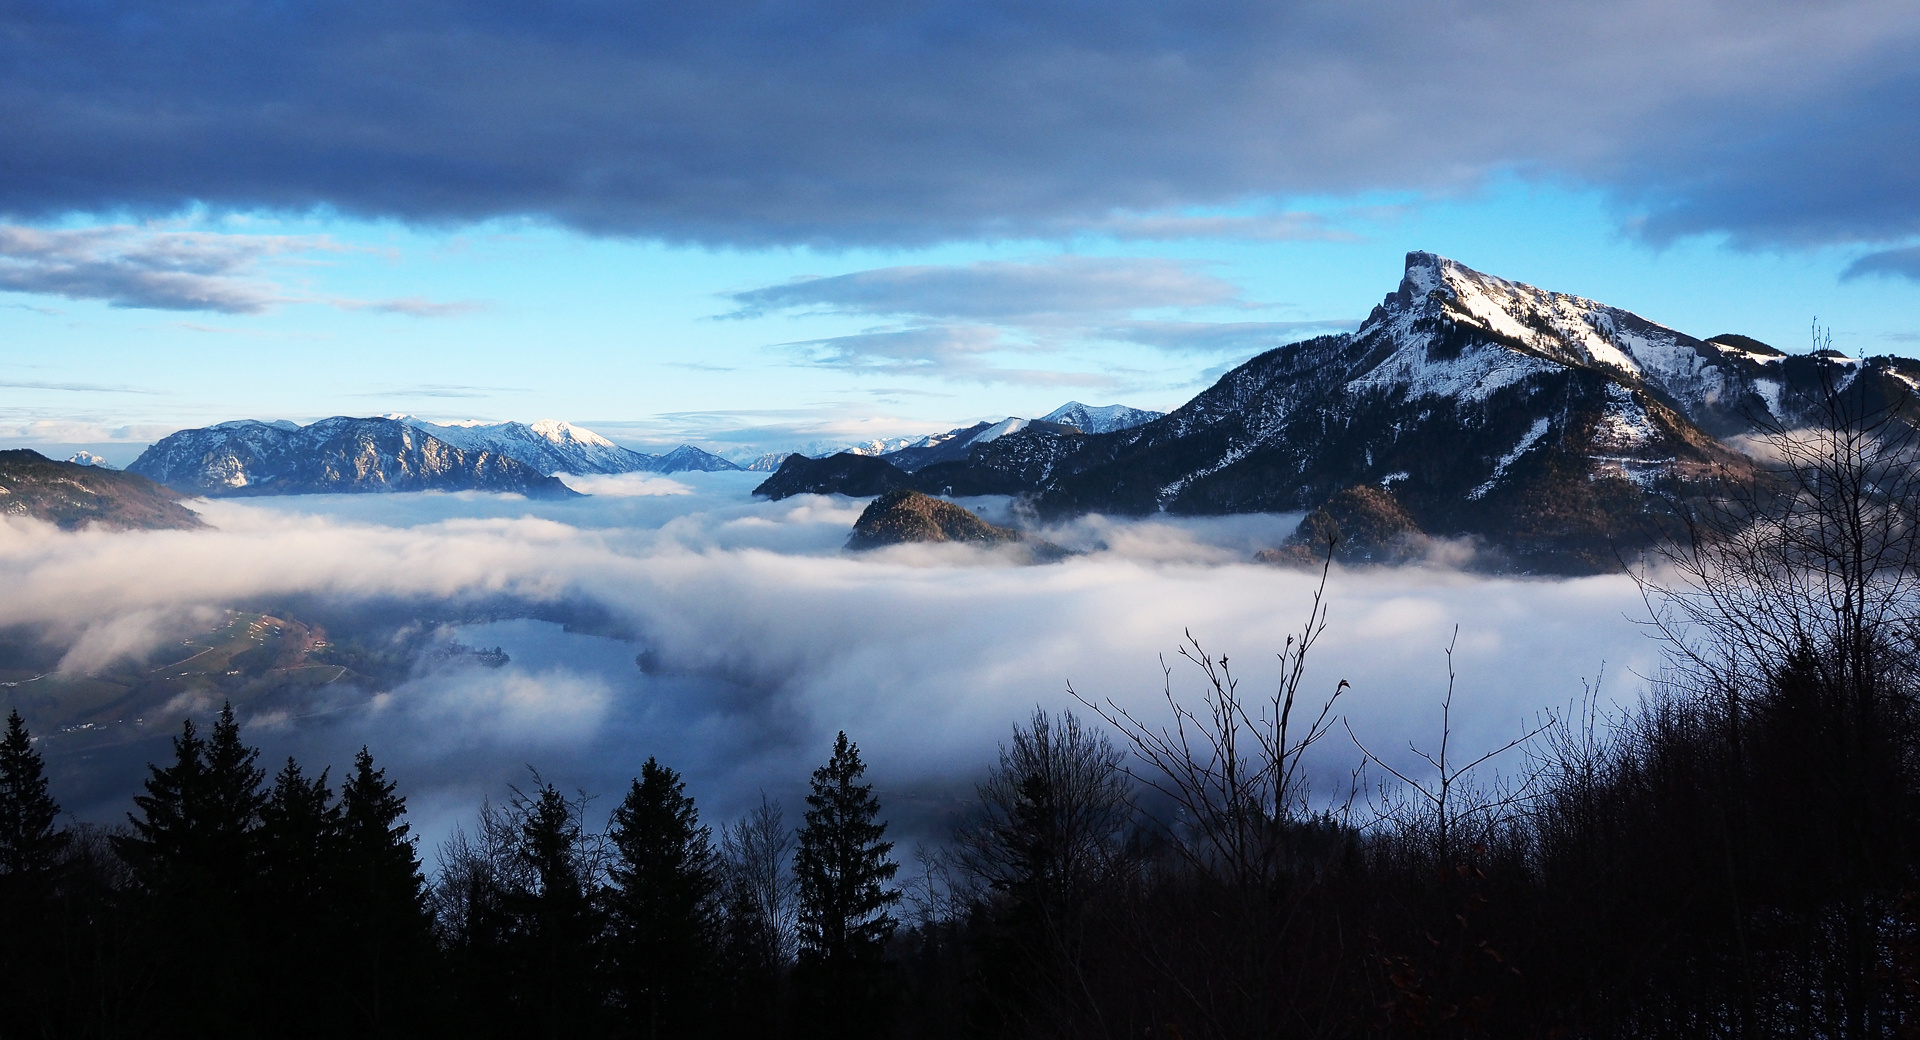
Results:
<point x="342" y="454"/>
<point x="396" y="453"/>
<point x="913" y="452"/>
<point x="73" y="495"/>
<point x="552" y="446"/>
<point x="1553" y="428"/>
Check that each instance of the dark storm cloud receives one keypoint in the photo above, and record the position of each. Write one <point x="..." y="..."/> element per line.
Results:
<point x="893" y="122"/>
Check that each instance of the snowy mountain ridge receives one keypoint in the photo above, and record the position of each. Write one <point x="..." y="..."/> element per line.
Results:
<point x="1556" y="429"/>
<point x="548" y="445"/>
<point x="553" y="446"/>
<point x="1104" y="418"/>
<point x="338" y="455"/>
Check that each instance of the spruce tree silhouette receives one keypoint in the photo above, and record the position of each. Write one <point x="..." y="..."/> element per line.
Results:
<point x="843" y="871"/>
<point x="299" y="831"/>
<point x="382" y="913"/>
<point x="29" y="844"/>
<point x="165" y="841"/>
<point x="30" y="860"/>
<point x="556" y="918"/>
<point x="664" y="917"/>
<point x="194" y="852"/>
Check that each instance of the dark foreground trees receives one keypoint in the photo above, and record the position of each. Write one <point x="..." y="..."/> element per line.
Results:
<point x="664" y="927"/>
<point x="225" y="908"/>
<point x="31" y="853"/>
<point x="843" y="870"/>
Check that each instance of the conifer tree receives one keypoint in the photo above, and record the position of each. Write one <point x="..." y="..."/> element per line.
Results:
<point x="194" y="848"/>
<point x="557" y="921"/>
<point x="197" y="822"/>
<point x="234" y="795"/>
<point x="299" y="828"/>
<point x="383" y="904"/>
<point x="843" y="868"/>
<point x="298" y="836"/>
<point x="164" y="839"/>
<point x="29" y="845"/>
<point x="30" y="855"/>
<point x="665" y="877"/>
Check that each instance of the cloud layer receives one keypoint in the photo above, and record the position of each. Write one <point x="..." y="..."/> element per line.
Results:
<point x="146" y="266"/>
<point x="954" y="317"/>
<point x="1062" y="287"/>
<point x="892" y="122"/>
<point x="128" y="266"/>
<point x="766" y="639"/>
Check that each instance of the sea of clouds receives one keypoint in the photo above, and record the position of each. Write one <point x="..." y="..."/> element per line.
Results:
<point x="763" y="638"/>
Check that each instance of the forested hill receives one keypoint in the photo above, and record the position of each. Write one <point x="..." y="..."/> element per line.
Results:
<point x="72" y="496"/>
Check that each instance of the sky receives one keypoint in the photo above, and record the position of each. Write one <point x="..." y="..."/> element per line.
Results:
<point x="783" y="222"/>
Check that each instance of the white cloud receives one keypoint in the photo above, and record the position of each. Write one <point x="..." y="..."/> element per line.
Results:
<point x="166" y="268"/>
<point x="768" y="638"/>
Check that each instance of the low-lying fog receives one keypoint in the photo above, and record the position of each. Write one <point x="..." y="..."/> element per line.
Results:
<point x="764" y="638"/>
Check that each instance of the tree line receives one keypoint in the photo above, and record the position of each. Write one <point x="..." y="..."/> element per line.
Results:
<point x="1737" y="855"/>
<point x="229" y="905"/>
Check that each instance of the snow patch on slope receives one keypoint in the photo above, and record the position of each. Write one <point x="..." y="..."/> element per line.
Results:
<point x="1625" y="424"/>
<point x="1527" y="441"/>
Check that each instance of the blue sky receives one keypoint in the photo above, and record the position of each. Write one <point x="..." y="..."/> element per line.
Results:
<point x="763" y="224"/>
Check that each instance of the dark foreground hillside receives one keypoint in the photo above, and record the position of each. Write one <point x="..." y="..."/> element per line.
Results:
<point x="1737" y="856"/>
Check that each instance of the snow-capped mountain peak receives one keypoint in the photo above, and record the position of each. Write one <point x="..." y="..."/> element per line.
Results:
<point x="559" y="432"/>
<point x="1011" y="424"/>
<point x="549" y="445"/>
<point x="1524" y="331"/>
<point x="1104" y="418"/>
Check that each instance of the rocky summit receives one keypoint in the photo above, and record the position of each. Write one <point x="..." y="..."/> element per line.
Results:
<point x="1552" y="428"/>
<point x="338" y="455"/>
<point x="71" y="495"/>
<point x="905" y="516"/>
<point x="1362" y="524"/>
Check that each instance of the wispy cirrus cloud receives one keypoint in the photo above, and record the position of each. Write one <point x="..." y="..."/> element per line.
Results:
<point x="1222" y="336"/>
<point x="965" y="322"/>
<point x="412" y="307"/>
<point x="160" y="268"/>
<point x="85" y="388"/>
<point x="957" y="353"/>
<point x="131" y="266"/>
<point x="1056" y="288"/>
<point x="450" y="390"/>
